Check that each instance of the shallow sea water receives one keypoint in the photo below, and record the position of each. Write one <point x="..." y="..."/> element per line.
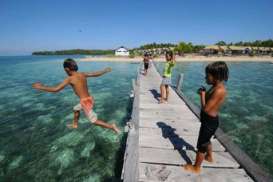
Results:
<point x="36" y="145"/>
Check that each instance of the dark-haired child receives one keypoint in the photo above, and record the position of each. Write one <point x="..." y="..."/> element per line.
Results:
<point x="216" y="74"/>
<point x="167" y="77"/>
<point x="78" y="81"/>
<point x="146" y="62"/>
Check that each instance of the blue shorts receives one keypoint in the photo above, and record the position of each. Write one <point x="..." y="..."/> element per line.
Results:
<point x="166" y="81"/>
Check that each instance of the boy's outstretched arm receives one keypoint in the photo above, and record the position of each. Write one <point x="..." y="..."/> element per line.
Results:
<point x="97" y="73"/>
<point x="57" y="88"/>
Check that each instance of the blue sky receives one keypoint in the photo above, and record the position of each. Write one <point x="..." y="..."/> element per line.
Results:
<point x="33" y="25"/>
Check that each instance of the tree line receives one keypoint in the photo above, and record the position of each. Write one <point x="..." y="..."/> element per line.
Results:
<point x="180" y="48"/>
<point x="75" y="52"/>
<point x="257" y="43"/>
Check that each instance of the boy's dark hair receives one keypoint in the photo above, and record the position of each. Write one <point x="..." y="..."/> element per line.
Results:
<point x="218" y="70"/>
<point x="71" y="64"/>
<point x="170" y="53"/>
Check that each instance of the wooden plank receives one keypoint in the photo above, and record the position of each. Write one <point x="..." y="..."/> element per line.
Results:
<point x="162" y="106"/>
<point x="150" y="98"/>
<point x="131" y="155"/>
<point x="154" y="138"/>
<point x="171" y="124"/>
<point x="158" y="173"/>
<point x="175" y="157"/>
<point x="169" y="115"/>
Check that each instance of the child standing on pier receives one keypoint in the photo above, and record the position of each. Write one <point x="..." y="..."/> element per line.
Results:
<point x="216" y="74"/>
<point x="146" y="62"/>
<point x="78" y="81"/>
<point x="167" y="77"/>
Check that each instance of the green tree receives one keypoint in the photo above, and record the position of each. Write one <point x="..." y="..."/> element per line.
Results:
<point x="221" y="43"/>
<point x="75" y="52"/>
<point x="183" y="47"/>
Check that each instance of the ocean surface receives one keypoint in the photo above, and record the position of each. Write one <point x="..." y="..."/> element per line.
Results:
<point x="36" y="145"/>
<point x="247" y="115"/>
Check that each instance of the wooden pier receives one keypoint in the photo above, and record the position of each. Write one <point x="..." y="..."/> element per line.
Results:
<point x="163" y="137"/>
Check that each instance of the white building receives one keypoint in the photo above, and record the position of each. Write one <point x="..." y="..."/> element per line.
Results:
<point x="122" y="51"/>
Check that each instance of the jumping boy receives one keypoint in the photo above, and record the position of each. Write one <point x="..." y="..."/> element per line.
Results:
<point x="167" y="77"/>
<point x="78" y="81"/>
<point x="216" y="74"/>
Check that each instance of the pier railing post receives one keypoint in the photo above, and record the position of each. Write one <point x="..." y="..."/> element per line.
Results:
<point x="134" y="84"/>
<point x="179" y="81"/>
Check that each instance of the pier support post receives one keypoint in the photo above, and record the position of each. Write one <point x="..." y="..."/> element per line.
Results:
<point x="179" y="81"/>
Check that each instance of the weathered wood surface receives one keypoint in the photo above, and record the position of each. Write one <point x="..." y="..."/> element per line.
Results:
<point x="130" y="170"/>
<point x="168" y="173"/>
<point x="167" y="137"/>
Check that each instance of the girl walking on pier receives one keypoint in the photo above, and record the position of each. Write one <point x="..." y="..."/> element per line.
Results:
<point x="167" y="77"/>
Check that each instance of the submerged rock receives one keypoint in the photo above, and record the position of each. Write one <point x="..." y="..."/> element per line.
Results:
<point x="94" y="178"/>
<point x="62" y="159"/>
<point x="45" y="118"/>
<point x="2" y="157"/>
<point x="87" y="149"/>
<point x="71" y="139"/>
<point x="15" y="163"/>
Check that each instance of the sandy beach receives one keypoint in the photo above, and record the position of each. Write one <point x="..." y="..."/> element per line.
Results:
<point x="191" y="58"/>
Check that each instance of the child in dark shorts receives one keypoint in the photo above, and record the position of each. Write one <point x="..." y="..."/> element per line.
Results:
<point x="211" y="101"/>
<point x="146" y="63"/>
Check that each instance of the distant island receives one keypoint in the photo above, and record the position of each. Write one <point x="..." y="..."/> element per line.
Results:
<point x="75" y="52"/>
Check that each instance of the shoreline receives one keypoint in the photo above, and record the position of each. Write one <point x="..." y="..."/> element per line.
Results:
<point x="188" y="58"/>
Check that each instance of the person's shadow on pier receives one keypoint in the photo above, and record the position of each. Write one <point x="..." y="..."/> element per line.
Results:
<point x="155" y="94"/>
<point x="179" y="143"/>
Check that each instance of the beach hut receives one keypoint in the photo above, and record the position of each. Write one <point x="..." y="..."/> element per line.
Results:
<point x="226" y="50"/>
<point x="265" y="50"/>
<point x="122" y="51"/>
<point x="211" y="50"/>
<point x="239" y="50"/>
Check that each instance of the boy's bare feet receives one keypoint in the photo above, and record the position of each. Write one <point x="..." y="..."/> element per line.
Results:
<point x="115" y="128"/>
<point x="192" y="168"/>
<point x="72" y="126"/>
<point x="209" y="158"/>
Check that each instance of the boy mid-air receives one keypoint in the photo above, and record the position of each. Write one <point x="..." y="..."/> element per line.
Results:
<point x="79" y="84"/>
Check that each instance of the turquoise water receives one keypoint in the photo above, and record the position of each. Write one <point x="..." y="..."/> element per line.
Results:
<point x="247" y="115"/>
<point x="35" y="144"/>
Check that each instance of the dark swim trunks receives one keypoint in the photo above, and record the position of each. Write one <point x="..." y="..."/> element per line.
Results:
<point x="146" y="66"/>
<point x="208" y="128"/>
